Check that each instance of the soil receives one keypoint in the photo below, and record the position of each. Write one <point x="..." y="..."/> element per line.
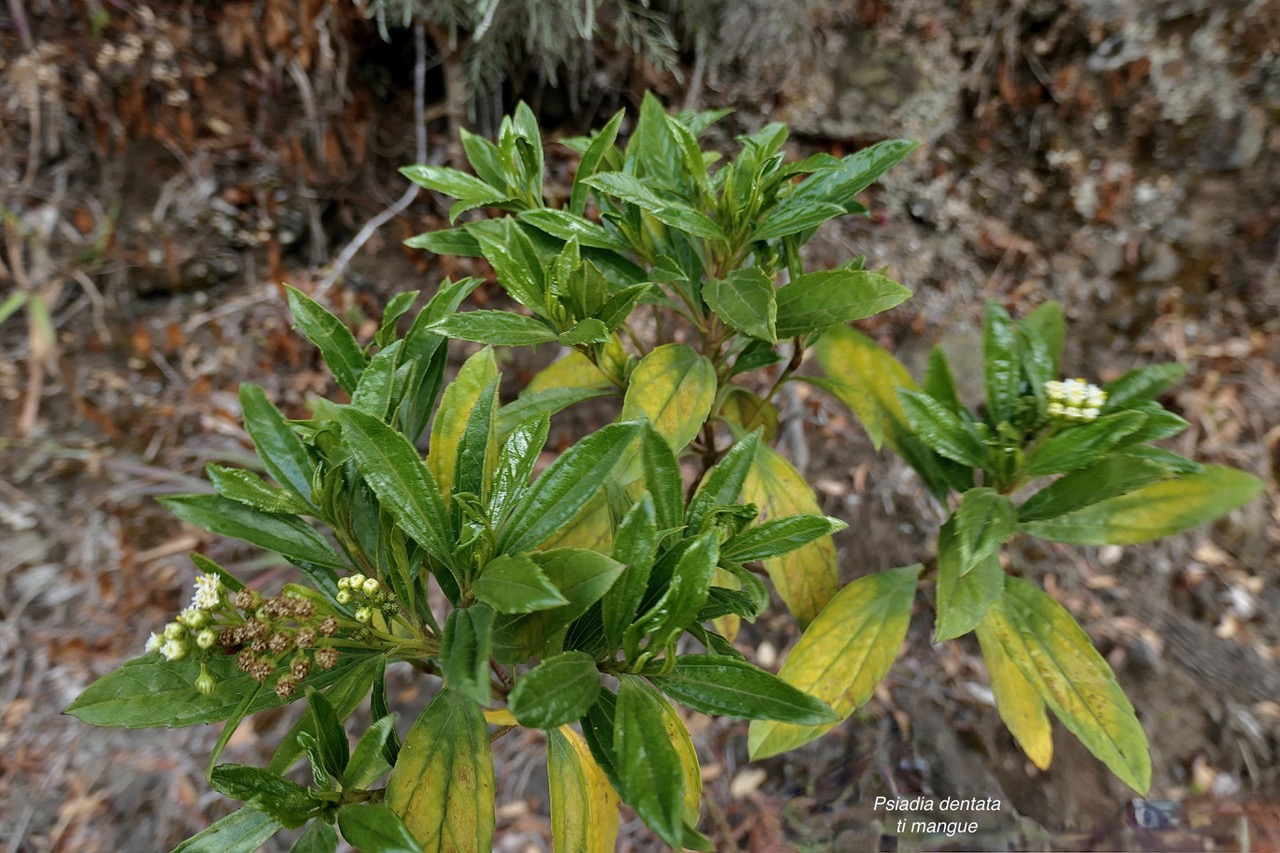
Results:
<point x="1124" y="161"/>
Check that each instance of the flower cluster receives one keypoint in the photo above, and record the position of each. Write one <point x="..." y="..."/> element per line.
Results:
<point x="1075" y="400"/>
<point x="266" y="635"/>
<point x="366" y="591"/>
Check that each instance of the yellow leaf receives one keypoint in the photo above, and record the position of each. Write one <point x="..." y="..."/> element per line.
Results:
<point x="843" y="654"/>
<point x="748" y="411"/>
<point x="808" y="577"/>
<point x="866" y="378"/>
<point x="1017" y="701"/>
<point x="451" y="419"/>
<point x="584" y="806"/>
<point x="575" y="370"/>
<point x="1055" y="655"/>
<point x="499" y="717"/>
<point x="679" y="736"/>
<point x="674" y="387"/>
<point x="727" y="625"/>
<point x="591" y="528"/>
<point x="442" y="784"/>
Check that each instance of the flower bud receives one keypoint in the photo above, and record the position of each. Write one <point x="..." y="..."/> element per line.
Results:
<point x="343" y="597"/>
<point x="207" y="638"/>
<point x="370" y="586"/>
<point x="205" y="683"/>
<point x="356" y="581"/>
<point x="195" y="619"/>
<point x="363" y="615"/>
<point x="175" y="631"/>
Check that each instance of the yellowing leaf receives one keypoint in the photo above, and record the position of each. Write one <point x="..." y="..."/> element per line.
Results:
<point x="843" y="654"/>
<point x="1160" y="509"/>
<point x="575" y="370"/>
<point x="591" y="528"/>
<point x="674" y="387"/>
<point x="679" y="736"/>
<point x="442" y="784"/>
<point x="1055" y="655"/>
<point x="866" y="378"/>
<point x="727" y="625"/>
<point x="1017" y="701"/>
<point x="584" y="806"/>
<point x="499" y="717"/>
<point x="451" y="419"/>
<point x="808" y="577"/>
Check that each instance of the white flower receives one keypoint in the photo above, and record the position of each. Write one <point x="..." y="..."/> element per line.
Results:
<point x="1074" y="400"/>
<point x="154" y="642"/>
<point x="208" y="592"/>
<point x="173" y="649"/>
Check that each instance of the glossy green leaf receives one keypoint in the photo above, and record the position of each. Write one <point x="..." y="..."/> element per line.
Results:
<point x="557" y="691"/>
<point x="335" y="749"/>
<point x="1079" y="445"/>
<point x="447" y="241"/>
<point x="284" y="534"/>
<point x="451" y="182"/>
<point x="723" y="484"/>
<point x="942" y="429"/>
<point x="727" y="687"/>
<point x="779" y="536"/>
<point x="1160" y="509"/>
<point x="592" y="158"/>
<point x="648" y="764"/>
<point x="369" y="759"/>
<point x="939" y="383"/>
<point x="682" y="598"/>
<point x="746" y="300"/>
<point x="242" y="831"/>
<point x="478" y="450"/>
<point x="442" y="785"/>
<point x="501" y="328"/>
<point x="674" y="388"/>
<point x="856" y="172"/>
<point x="584" y="806"/>
<point x="662" y="478"/>
<point x="635" y="545"/>
<point x="674" y="214"/>
<point x="1113" y="475"/>
<point x="449" y="426"/>
<point x="817" y="300"/>
<point x="513" y="258"/>
<point x="248" y="488"/>
<point x="516" y="461"/>
<point x="588" y="331"/>
<point x="337" y="345"/>
<point x="843" y="654"/>
<point x="1141" y="384"/>
<point x="1000" y="374"/>
<point x="984" y="521"/>
<point x="789" y="219"/>
<point x="1046" y="322"/>
<point x="344" y="694"/>
<point x="969" y="580"/>
<point x="1017" y="702"/>
<point x="548" y="401"/>
<point x="484" y="158"/>
<point x="513" y="583"/>
<point x="464" y="651"/>
<point x="401" y="480"/>
<point x="570" y="226"/>
<point x="318" y="837"/>
<point x="565" y="487"/>
<point x="807" y="577"/>
<point x="376" y="828"/>
<point x="376" y="390"/>
<point x="678" y="736"/>
<point x="1055" y="655"/>
<point x="288" y="802"/>
<point x="279" y="447"/>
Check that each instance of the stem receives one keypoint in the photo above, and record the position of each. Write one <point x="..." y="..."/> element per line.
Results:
<point x="797" y="356"/>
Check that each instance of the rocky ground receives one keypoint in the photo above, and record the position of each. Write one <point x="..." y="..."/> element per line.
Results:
<point x="167" y="169"/>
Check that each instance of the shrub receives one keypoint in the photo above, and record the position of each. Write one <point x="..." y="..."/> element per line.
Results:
<point x="611" y="583"/>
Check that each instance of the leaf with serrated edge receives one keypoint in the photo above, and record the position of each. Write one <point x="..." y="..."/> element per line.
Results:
<point x="584" y="806"/>
<point x="843" y="654"/>
<point x="816" y="300"/>
<point x="375" y="828"/>
<point x="745" y="299"/>
<point x="649" y="764"/>
<point x="442" y="785"/>
<point x="1055" y="655"/>
<point x="1017" y="702"/>
<point x="513" y="583"/>
<point x="279" y="447"/>
<point x="556" y="692"/>
<point x="809" y="576"/>
<point x="337" y="345"/>
<point x="727" y="687"/>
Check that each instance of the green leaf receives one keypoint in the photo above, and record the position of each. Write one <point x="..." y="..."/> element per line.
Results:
<point x="1054" y="654"/>
<point x="584" y="806"/>
<point x="1000" y="373"/>
<point x="377" y="386"/>
<point x="516" y="462"/>
<point x="674" y="388"/>
<point x="588" y="331"/>
<point x="722" y="486"/>
<point x="478" y="450"/>
<point x="570" y="226"/>
<point x="447" y="241"/>
<point x="1113" y="475"/>
<point x="526" y="124"/>
<point x="442" y="784"/>
<point x="397" y="307"/>
<point x="548" y="401"/>
<point x="681" y="599"/>
<point x="809" y="576"/>
<point x="369" y="760"/>
<point x="779" y="536"/>
<point x="1046" y="323"/>
<point x="376" y="828"/>
<point x="344" y="694"/>
<point x="746" y="300"/>
<point x="582" y="577"/>
<point x="942" y="429"/>
<point x="248" y="488"/>
<point x="513" y="583"/>
<point x="565" y="487"/>
<point x="648" y="765"/>
<point x="464" y="651"/>
<point x="279" y="447"/>
<point x="939" y="383"/>
<point x="557" y="691"/>
<point x="449" y="426"/>
<point x="318" y="837"/>
<point x="284" y="534"/>
<point x="401" y="480"/>
<point x="501" y="328"/>
<point x="726" y="687"/>
<point x="513" y="258"/>
<point x="288" y="802"/>
<point x="618" y="307"/>
<point x="662" y="478"/>
<point x="674" y="214"/>
<point x="337" y="345"/>
<point x="970" y="577"/>
<point x="451" y="182"/>
<point x="335" y="749"/>
<point x="787" y="219"/>
<point x="1018" y="703"/>
<point x="817" y="300"/>
<point x="149" y="691"/>
<point x="635" y="544"/>
<point x="843" y="654"/>
<point x="1140" y="385"/>
<point x="592" y="158"/>
<point x="1080" y="445"/>
<point x="1160" y="509"/>
<point x="242" y="831"/>
<point x="856" y="172"/>
<point x="984" y="521"/>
